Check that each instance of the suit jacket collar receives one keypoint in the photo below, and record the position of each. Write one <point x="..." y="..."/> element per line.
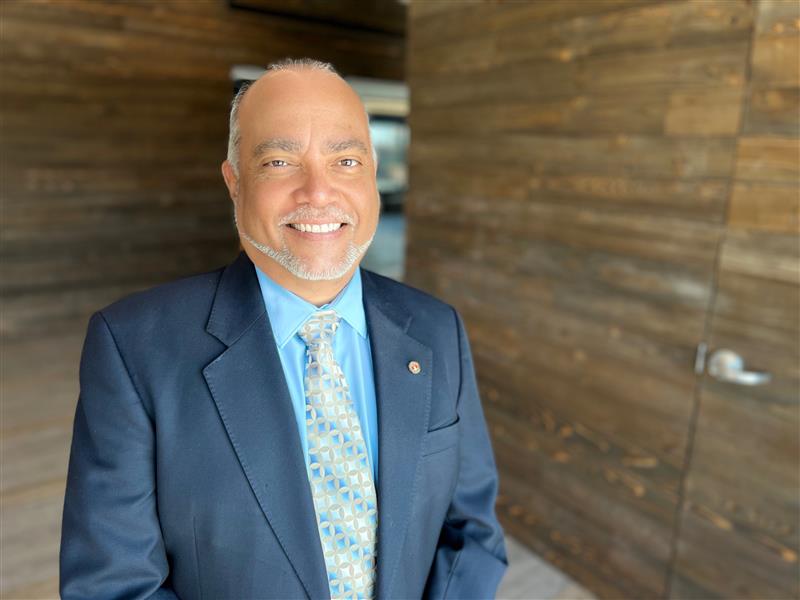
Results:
<point x="237" y="303"/>
<point x="252" y="398"/>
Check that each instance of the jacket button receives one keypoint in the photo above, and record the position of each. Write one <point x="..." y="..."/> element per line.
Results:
<point x="414" y="367"/>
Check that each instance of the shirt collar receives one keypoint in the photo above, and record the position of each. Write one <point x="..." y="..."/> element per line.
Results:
<point x="288" y="311"/>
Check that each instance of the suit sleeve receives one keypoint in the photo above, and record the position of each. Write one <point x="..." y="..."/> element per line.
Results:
<point x="470" y="558"/>
<point x="111" y="543"/>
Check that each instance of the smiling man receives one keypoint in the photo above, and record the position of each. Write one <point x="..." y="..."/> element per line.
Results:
<point x="289" y="426"/>
<point x="302" y="178"/>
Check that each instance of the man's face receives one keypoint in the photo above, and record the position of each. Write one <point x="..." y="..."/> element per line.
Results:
<point x="306" y="194"/>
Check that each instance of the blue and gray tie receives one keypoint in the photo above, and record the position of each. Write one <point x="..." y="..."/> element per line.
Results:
<point x="338" y="471"/>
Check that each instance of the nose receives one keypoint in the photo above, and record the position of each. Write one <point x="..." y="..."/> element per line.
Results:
<point x="316" y="188"/>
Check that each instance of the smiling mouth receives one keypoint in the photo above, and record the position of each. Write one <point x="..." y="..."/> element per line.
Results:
<point x="317" y="227"/>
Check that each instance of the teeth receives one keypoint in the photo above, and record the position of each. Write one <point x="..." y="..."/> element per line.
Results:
<point x="324" y="228"/>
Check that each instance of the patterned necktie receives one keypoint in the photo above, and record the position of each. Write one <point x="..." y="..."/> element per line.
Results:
<point x="338" y="471"/>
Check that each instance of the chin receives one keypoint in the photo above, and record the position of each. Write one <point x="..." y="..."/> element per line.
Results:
<point x="315" y="271"/>
<point x="314" y="268"/>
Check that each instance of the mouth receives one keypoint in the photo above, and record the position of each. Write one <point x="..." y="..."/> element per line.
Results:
<point x="318" y="231"/>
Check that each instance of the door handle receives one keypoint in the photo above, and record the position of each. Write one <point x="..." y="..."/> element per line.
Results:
<point x="726" y="365"/>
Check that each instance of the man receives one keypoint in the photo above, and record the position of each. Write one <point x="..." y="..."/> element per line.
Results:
<point x="291" y="425"/>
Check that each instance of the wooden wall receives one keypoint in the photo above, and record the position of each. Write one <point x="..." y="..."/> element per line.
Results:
<point x="114" y="120"/>
<point x="572" y="169"/>
<point x="739" y="530"/>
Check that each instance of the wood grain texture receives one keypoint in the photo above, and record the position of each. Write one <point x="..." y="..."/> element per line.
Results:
<point x="114" y="126"/>
<point x="377" y="15"/>
<point x="740" y="523"/>
<point x="579" y="171"/>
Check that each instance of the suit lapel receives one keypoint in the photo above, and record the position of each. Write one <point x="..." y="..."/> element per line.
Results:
<point x="403" y="407"/>
<point x="251" y="395"/>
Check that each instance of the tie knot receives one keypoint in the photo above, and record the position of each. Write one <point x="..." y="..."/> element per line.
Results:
<point x="320" y="328"/>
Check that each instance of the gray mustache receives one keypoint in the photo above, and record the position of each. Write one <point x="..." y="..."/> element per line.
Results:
<point x="330" y="214"/>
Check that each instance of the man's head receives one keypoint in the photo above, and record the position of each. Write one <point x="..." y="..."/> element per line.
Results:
<point x="300" y="162"/>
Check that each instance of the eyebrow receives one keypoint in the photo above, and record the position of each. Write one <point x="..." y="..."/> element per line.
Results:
<point x="284" y="144"/>
<point x="347" y="144"/>
<point x="289" y="145"/>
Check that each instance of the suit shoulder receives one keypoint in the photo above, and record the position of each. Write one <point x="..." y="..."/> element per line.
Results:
<point x="181" y="296"/>
<point x="412" y="299"/>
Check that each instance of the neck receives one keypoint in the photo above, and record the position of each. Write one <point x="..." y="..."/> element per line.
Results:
<point x="317" y="293"/>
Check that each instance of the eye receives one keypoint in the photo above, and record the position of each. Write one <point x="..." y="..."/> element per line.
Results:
<point x="349" y="162"/>
<point x="277" y="162"/>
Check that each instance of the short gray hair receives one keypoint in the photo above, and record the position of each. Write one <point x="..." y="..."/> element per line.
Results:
<point x="286" y="64"/>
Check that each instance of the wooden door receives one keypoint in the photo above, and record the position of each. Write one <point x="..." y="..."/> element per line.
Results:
<point x="739" y="523"/>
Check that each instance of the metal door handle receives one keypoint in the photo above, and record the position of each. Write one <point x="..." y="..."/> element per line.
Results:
<point x="728" y="366"/>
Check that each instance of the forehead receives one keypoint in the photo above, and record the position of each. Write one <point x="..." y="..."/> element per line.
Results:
<point x="301" y="105"/>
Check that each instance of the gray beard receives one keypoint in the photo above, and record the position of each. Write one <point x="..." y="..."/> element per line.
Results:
<point x="297" y="266"/>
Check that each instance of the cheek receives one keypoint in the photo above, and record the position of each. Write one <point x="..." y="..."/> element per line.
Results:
<point x="369" y="202"/>
<point x="267" y="203"/>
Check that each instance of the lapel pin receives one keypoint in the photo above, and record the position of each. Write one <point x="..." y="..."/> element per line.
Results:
<point x="414" y="367"/>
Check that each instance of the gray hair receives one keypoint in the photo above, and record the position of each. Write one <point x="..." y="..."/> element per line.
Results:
<point x="286" y="64"/>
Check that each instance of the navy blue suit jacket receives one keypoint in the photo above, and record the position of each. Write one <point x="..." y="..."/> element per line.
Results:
<point x="186" y="474"/>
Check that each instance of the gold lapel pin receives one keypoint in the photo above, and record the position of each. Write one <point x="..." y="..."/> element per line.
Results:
<point x="414" y="367"/>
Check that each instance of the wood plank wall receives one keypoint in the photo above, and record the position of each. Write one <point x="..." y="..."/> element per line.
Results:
<point x="740" y="530"/>
<point x="571" y="168"/>
<point x="114" y="120"/>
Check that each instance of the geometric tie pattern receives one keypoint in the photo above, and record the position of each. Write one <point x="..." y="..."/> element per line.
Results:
<point x="341" y="481"/>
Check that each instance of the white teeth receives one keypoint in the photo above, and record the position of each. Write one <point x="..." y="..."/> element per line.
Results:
<point x="324" y="228"/>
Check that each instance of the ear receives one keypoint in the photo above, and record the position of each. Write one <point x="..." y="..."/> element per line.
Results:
<point x="231" y="180"/>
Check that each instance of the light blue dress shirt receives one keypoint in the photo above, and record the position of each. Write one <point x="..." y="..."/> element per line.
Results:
<point x="351" y="348"/>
